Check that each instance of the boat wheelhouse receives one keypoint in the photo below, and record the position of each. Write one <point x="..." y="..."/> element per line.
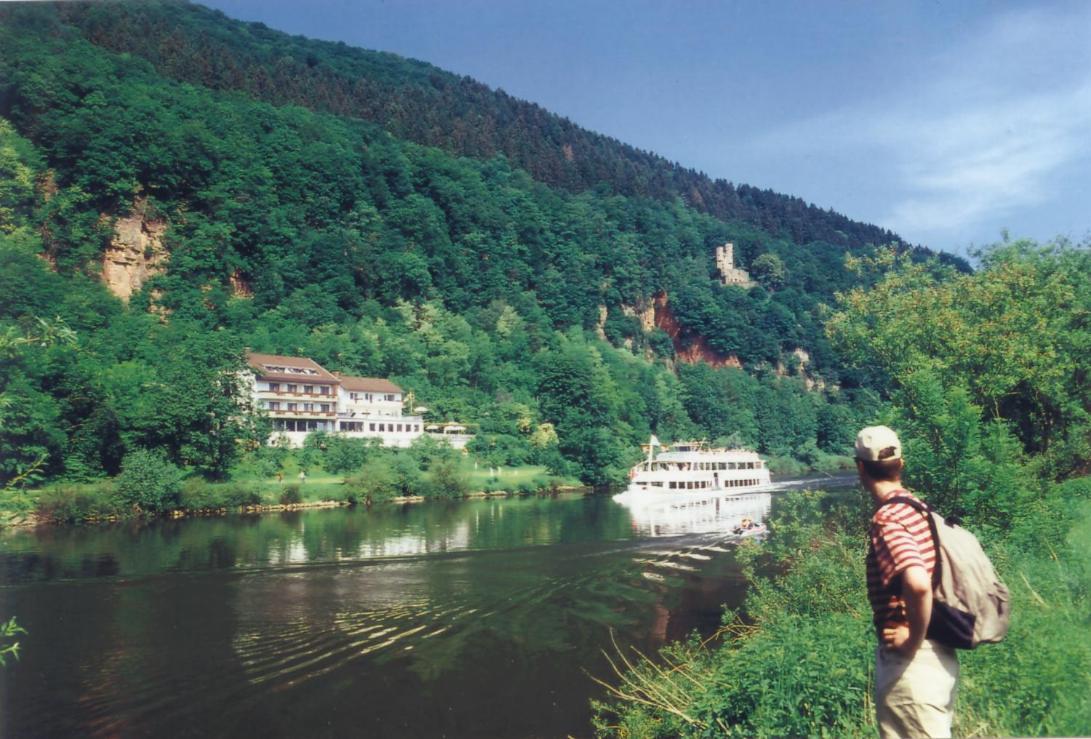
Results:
<point x="692" y="467"/>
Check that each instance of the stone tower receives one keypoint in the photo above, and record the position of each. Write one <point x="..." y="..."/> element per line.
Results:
<point x="729" y="273"/>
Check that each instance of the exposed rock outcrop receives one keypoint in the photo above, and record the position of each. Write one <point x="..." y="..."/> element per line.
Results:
<point x="688" y="347"/>
<point x="600" y="324"/>
<point x="644" y="313"/>
<point x="136" y="252"/>
<point x="804" y="359"/>
<point x="240" y="286"/>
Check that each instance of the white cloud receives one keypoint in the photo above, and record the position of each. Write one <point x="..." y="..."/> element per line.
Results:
<point x="985" y="129"/>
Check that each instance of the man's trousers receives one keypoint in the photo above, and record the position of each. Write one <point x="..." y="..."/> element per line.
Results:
<point x="915" y="697"/>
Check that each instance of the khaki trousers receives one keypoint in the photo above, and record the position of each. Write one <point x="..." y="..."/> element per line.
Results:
<point x="915" y="697"/>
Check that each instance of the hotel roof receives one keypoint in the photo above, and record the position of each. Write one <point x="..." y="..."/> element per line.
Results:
<point x="368" y="384"/>
<point x="291" y="369"/>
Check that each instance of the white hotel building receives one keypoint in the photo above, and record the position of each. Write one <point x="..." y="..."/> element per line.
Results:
<point x="300" y="396"/>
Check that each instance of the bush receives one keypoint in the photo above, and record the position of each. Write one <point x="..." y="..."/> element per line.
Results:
<point x="149" y="481"/>
<point x="346" y="455"/>
<point x="199" y="495"/>
<point x="447" y="480"/>
<point x="375" y="482"/>
<point x="237" y="495"/>
<point x="783" y="466"/>
<point x="291" y="495"/>
<point x="78" y="503"/>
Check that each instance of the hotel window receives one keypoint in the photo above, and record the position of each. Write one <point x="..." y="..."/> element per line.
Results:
<point x="353" y="396"/>
<point x="390" y="396"/>
<point x="324" y="389"/>
<point x="292" y="388"/>
<point x="273" y="405"/>
<point x="309" y="389"/>
<point x="372" y="426"/>
<point x="274" y="387"/>
<point x="325" y="407"/>
<point x="291" y="406"/>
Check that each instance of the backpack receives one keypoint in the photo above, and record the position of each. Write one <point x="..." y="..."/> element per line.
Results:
<point x="970" y="605"/>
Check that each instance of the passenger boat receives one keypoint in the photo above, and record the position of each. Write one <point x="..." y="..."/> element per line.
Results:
<point x="691" y="469"/>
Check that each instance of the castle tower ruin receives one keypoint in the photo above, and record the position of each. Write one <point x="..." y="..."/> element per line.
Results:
<point x="729" y="273"/>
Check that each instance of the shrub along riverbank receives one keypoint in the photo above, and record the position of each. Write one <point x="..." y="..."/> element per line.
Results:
<point x="334" y="470"/>
<point x="326" y="471"/>
<point x="798" y="660"/>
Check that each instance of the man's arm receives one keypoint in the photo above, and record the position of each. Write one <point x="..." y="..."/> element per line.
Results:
<point x="917" y="594"/>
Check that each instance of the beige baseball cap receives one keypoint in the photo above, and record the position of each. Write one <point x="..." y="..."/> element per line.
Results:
<point x="878" y="444"/>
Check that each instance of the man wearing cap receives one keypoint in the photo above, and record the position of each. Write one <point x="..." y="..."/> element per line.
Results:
<point x="915" y="678"/>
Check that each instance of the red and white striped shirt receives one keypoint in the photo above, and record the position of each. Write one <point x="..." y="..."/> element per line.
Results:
<point x="900" y="537"/>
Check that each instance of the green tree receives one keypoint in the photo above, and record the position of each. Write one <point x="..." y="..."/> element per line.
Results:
<point x="149" y="481"/>
<point x="1014" y="334"/>
<point x="769" y="270"/>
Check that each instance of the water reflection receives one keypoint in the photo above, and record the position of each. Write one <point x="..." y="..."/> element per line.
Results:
<point x="477" y="618"/>
<point x="702" y="514"/>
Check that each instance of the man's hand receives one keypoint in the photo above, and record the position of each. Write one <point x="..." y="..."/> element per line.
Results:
<point x="895" y="637"/>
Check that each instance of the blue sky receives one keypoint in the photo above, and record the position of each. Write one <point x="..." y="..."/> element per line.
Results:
<point x="944" y="121"/>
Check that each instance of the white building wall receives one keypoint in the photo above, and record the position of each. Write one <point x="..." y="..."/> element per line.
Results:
<point x="369" y="403"/>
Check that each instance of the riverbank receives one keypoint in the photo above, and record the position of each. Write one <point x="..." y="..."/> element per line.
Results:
<point x="398" y="478"/>
<point x="91" y="503"/>
<point x="796" y="658"/>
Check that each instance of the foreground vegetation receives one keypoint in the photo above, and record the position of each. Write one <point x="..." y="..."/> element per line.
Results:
<point x="989" y="377"/>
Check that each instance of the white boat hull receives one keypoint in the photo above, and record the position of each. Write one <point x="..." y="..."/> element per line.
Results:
<point x="637" y="492"/>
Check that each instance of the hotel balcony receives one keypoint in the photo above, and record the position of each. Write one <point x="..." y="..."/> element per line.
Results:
<point x="285" y="413"/>
<point x="332" y="397"/>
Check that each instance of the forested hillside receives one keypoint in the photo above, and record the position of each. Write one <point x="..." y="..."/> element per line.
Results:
<point x="419" y="102"/>
<point x="160" y="226"/>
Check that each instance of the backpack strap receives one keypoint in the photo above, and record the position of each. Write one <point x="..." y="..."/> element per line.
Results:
<point x="925" y="511"/>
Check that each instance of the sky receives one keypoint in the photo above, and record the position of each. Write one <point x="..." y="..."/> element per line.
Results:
<point x="950" y="123"/>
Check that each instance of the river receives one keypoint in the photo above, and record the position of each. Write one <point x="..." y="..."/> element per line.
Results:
<point x="480" y="618"/>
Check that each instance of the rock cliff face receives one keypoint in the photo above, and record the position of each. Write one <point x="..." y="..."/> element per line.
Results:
<point x="688" y="348"/>
<point x="600" y="325"/>
<point x="240" y="286"/>
<point x="135" y="253"/>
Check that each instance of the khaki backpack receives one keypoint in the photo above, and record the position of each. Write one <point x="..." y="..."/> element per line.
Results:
<point x="970" y="605"/>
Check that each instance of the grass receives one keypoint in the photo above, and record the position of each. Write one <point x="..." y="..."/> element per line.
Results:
<point x="481" y="477"/>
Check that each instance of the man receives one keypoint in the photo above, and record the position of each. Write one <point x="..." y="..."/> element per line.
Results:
<point x="915" y="678"/>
